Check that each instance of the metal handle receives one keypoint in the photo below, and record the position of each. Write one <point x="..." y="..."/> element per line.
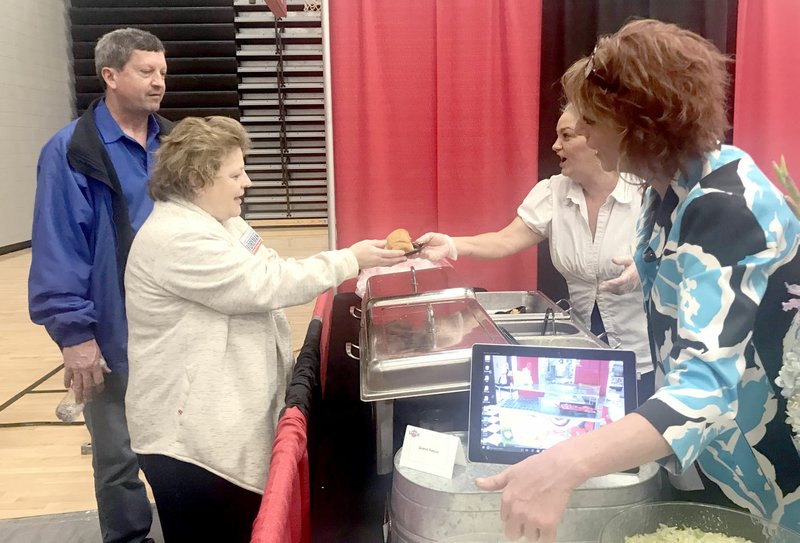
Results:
<point x="348" y="348"/>
<point x="611" y="339"/>
<point x="355" y="312"/>
<point x="549" y="314"/>
<point x="431" y="323"/>
<point x="566" y="302"/>
<point x="413" y="280"/>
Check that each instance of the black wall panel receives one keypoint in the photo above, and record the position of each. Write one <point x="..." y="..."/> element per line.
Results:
<point x="199" y="37"/>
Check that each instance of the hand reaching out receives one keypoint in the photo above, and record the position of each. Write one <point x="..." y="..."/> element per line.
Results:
<point x="437" y="246"/>
<point x="628" y="280"/>
<point x="371" y="253"/>
<point x="535" y="496"/>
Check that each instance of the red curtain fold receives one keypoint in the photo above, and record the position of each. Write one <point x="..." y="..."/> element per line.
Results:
<point x="766" y="112"/>
<point x="435" y="116"/>
<point x="285" y="512"/>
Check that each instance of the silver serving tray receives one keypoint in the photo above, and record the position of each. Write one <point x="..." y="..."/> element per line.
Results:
<point x="421" y="344"/>
<point x="540" y="321"/>
<point x="411" y="282"/>
<point x="533" y="304"/>
<point x="551" y="332"/>
<point x="418" y="345"/>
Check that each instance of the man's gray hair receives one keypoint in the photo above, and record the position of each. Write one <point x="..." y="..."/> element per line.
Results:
<point x="114" y="49"/>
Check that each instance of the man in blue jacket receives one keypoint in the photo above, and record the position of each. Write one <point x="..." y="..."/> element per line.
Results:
<point x="91" y="198"/>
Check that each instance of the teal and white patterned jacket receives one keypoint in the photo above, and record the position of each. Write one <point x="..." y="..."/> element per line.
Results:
<point x="714" y="256"/>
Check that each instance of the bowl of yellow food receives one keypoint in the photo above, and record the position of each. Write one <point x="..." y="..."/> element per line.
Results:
<point x="684" y="522"/>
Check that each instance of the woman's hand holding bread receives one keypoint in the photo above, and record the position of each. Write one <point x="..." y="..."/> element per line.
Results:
<point x="372" y="252"/>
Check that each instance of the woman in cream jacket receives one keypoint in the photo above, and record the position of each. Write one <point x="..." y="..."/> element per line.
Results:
<point x="209" y="347"/>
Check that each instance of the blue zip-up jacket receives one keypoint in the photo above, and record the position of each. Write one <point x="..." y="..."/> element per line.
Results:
<point x="80" y="242"/>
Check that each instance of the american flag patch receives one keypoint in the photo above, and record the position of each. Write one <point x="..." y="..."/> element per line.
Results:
<point x="251" y="241"/>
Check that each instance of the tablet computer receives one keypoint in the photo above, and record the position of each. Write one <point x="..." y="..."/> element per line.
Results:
<point x="525" y="398"/>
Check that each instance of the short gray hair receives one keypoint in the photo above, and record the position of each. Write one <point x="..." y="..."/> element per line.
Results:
<point x="114" y="49"/>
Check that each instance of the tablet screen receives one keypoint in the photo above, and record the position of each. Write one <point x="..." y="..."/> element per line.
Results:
<point x="525" y="399"/>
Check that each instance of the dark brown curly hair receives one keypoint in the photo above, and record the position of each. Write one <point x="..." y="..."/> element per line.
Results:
<point x="664" y="87"/>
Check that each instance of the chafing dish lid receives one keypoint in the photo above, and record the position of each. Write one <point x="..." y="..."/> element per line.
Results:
<point x="412" y="281"/>
<point x="422" y="344"/>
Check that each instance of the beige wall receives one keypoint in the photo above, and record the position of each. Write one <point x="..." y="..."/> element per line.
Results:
<point x="35" y="101"/>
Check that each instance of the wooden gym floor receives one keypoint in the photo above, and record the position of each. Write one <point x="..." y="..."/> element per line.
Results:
<point x="42" y="470"/>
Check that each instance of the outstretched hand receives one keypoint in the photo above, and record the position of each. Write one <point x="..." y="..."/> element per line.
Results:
<point x="437" y="246"/>
<point x="535" y="495"/>
<point x="371" y="253"/>
<point x="628" y="280"/>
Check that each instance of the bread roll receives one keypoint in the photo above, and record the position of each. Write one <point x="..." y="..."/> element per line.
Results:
<point x="399" y="239"/>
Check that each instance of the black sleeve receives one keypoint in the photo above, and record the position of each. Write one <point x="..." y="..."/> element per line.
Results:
<point x="305" y="376"/>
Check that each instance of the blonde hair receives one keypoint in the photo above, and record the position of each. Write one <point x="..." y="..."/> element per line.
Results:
<point x="191" y="155"/>
<point x="664" y="87"/>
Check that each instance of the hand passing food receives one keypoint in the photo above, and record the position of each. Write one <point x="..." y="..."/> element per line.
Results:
<point x="373" y="252"/>
<point x="436" y="246"/>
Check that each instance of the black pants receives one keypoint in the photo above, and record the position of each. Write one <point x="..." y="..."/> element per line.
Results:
<point x="646" y="386"/>
<point x="196" y="505"/>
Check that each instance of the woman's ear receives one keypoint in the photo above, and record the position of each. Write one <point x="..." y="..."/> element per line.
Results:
<point x="196" y="183"/>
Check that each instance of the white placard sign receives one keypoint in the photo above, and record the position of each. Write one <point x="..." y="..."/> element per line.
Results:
<point x="432" y="452"/>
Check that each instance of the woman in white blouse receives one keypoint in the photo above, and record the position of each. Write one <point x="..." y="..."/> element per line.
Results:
<point x="589" y="215"/>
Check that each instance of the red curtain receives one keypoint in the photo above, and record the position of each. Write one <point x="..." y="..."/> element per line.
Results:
<point x="766" y="111"/>
<point x="435" y="118"/>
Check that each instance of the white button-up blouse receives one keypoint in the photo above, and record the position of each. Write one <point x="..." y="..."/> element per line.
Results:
<point x="556" y="209"/>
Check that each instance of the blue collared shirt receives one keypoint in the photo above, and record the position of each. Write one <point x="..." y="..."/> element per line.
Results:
<point x="131" y="162"/>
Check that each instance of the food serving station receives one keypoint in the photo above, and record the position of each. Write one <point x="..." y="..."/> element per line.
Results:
<point x="401" y="354"/>
<point x="417" y="328"/>
<point x="409" y="347"/>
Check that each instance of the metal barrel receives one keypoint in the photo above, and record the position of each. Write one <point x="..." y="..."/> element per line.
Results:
<point x="430" y="509"/>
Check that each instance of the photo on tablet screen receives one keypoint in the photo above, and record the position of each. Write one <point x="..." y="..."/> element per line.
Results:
<point x="525" y="399"/>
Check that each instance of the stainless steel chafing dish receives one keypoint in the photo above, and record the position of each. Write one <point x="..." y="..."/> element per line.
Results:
<point x="411" y="281"/>
<point x="418" y="328"/>
<point x="522" y="305"/>
<point x="421" y="344"/>
<point x="531" y="318"/>
<point x="416" y="337"/>
<point x="417" y="332"/>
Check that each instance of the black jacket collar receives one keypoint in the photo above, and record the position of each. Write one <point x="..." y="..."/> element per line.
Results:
<point x="86" y="151"/>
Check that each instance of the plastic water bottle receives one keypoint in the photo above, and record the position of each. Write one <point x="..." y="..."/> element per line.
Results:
<point x="68" y="409"/>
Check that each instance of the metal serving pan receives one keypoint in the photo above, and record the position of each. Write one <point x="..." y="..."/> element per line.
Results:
<point x="531" y="318"/>
<point x="411" y="281"/>
<point x="407" y="282"/>
<point x="421" y="344"/>
<point x="550" y="332"/>
<point x="520" y="305"/>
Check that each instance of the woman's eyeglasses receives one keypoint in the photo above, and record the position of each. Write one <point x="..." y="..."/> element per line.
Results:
<point x="590" y="73"/>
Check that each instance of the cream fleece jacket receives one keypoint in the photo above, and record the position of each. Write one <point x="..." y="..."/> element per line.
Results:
<point x="209" y="346"/>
